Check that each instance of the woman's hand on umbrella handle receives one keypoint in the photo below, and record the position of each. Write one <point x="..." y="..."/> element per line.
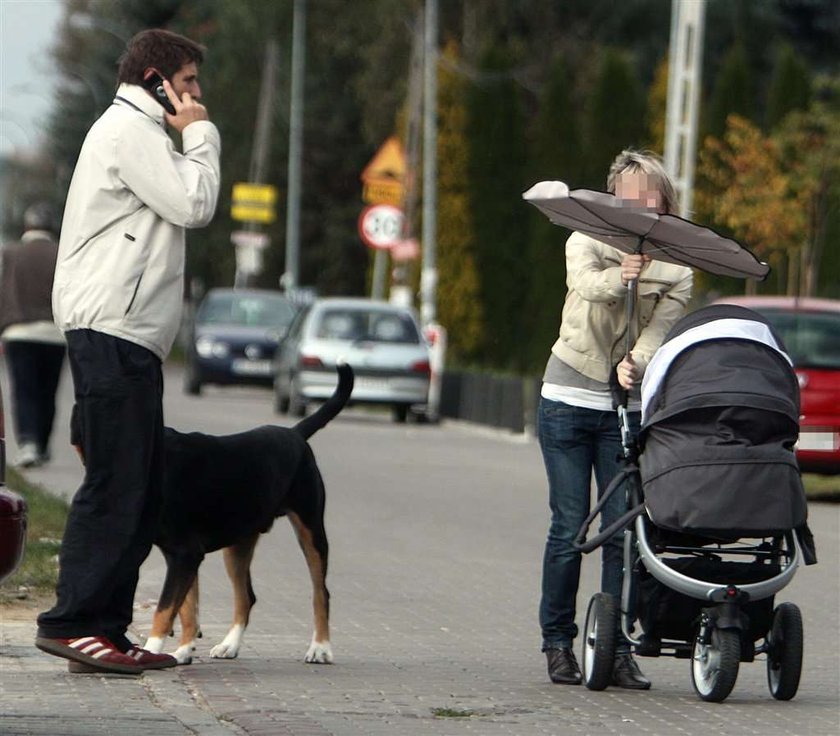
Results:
<point x="627" y="373"/>
<point x="631" y="266"/>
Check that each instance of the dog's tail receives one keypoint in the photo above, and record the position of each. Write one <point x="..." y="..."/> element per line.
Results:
<point x="332" y="406"/>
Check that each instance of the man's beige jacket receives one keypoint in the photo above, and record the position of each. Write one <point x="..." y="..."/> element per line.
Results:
<point x="120" y="267"/>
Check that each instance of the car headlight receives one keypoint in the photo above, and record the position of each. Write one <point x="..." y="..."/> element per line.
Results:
<point x="207" y="347"/>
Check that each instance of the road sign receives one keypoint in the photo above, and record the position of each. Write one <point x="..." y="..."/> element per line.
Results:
<point x="383" y="178"/>
<point x="405" y="250"/>
<point x="380" y="226"/>
<point x="253" y="202"/>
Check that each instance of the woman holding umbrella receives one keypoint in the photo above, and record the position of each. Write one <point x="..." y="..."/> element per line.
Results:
<point x="577" y="425"/>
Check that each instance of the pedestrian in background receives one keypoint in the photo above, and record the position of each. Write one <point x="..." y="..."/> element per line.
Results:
<point x="34" y="347"/>
<point x="577" y="425"/>
<point x="117" y="296"/>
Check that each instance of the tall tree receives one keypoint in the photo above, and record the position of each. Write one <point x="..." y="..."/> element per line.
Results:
<point x="790" y="86"/>
<point x="460" y="308"/>
<point x="496" y="181"/>
<point x="556" y="154"/>
<point x="657" y="104"/>
<point x="809" y="144"/>
<point x="734" y="91"/>
<point x="615" y="116"/>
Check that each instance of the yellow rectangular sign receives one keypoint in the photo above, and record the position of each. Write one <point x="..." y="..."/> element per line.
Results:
<point x="245" y="193"/>
<point x="253" y="202"/>
<point x="245" y="213"/>
<point x="383" y="191"/>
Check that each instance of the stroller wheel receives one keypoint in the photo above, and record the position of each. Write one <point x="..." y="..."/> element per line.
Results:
<point x="784" y="654"/>
<point x="714" y="666"/>
<point x="599" y="641"/>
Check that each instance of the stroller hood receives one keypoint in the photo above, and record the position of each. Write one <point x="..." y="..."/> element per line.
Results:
<point x="720" y="421"/>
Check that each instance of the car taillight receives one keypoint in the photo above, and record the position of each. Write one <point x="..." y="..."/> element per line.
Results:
<point x="310" y="361"/>
<point x="421" y="366"/>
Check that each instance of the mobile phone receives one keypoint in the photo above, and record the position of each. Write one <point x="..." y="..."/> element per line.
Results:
<point x="154" y="83"/>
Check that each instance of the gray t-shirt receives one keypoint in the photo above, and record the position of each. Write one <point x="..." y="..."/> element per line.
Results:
<point x="562" y="374"/>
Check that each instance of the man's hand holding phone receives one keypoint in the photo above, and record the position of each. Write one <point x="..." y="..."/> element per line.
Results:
<point x="187" y="110"/>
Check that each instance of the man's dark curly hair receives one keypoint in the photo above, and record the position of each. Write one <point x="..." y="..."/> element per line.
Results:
<point x="164" y="50"/>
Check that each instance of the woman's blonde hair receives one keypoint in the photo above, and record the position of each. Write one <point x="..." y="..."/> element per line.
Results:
<point x="647" y="162"/>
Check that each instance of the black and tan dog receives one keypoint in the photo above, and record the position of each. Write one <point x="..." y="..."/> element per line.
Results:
<point x="222" y="493"/>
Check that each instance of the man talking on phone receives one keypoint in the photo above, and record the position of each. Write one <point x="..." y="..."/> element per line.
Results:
<point x="117" y="296"/>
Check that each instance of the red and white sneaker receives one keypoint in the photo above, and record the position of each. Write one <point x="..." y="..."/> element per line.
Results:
<point x="149" y="660"/>
<point x="145" y="659"/>
<point x="95" y="652"/>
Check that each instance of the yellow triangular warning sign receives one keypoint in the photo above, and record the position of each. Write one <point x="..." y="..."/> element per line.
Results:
<point x="388" y="163"/>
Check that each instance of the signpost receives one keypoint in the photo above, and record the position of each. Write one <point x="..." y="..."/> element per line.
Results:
<point x="381" y="224"/>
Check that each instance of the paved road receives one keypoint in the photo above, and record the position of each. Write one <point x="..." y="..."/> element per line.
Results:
<point x="436" y="536"/>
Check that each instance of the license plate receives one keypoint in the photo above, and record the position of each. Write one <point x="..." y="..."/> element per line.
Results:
<point x="376" y="383"/>
<point x="252" y="367"/>
<point x="818" y="441"/>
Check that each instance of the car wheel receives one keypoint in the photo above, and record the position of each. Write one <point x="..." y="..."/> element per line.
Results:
<point x="281" y="401"/>
<point x="192" y="383"/>
<point x="296" y="403"/>
<point x="399" y="412"/>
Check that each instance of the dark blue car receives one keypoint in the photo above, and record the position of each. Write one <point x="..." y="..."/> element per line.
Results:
<point x="233" y="337"/>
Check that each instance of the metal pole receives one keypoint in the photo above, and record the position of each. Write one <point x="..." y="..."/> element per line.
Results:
<point x="290" y="278"/>
<point x="380" y="268"/>
<point x="684" y="76"/>
<point x="428" y="278"/>
<point x="262" y="132"/>
<point x="259" y="159"/>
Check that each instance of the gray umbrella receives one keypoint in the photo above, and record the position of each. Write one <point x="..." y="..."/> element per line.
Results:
<point x="634" y="230"/>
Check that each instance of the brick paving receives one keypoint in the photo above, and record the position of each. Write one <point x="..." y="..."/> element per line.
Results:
<point x="436" y="538"/>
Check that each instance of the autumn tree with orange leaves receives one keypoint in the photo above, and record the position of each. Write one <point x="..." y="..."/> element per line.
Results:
<point x="773" y="193"/>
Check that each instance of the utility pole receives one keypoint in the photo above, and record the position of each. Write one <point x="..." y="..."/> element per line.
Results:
<point x="402" y="270"/>
<point x="291" y="278"/>
<point x="685" y="65"/>
<point x="249" y="252"/>
<point x="428" y="276"/>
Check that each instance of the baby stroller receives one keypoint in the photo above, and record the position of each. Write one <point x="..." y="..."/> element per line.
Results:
<point x="716" y="520"/>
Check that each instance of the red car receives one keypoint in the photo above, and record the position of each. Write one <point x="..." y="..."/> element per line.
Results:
<point x="810" y="329"/>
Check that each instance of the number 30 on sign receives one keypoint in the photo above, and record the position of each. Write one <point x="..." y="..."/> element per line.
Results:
<point x="380" y="225"/>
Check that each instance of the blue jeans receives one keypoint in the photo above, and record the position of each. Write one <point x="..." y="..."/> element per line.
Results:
<point x="574" y="441"/>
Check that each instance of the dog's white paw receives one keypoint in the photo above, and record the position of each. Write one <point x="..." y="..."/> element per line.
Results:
<point x="319" y="652"/>
<point x="154" y="644"/>
<point x="228" y="648"/>
<point x="184" y="653"/>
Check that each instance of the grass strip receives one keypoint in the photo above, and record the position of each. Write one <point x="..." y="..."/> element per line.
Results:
<point x="46" y="517"/>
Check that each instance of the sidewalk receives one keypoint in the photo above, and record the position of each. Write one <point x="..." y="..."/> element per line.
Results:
<point x="434" y="574"/>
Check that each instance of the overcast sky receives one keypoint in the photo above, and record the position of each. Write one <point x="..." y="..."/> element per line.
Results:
<point x="27" y="28"/>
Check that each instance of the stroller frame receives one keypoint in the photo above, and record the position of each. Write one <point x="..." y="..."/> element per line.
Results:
<point x="723" y="638"/>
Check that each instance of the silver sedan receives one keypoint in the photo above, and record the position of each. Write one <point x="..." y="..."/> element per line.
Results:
<point x="381" y="341"/>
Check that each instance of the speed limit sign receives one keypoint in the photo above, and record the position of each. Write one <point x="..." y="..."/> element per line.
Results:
<point x="380" y="225"/>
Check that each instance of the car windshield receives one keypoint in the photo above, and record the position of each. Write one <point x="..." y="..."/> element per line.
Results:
<point x="353" y="325"/>
<point x="249" y="310"/>
<point x="810" y="337"/>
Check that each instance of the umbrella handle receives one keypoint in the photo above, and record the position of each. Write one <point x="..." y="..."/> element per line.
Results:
<point x="630" y="309"/>
<point x="620" y="394"/>
<point x="632" y="286"/>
